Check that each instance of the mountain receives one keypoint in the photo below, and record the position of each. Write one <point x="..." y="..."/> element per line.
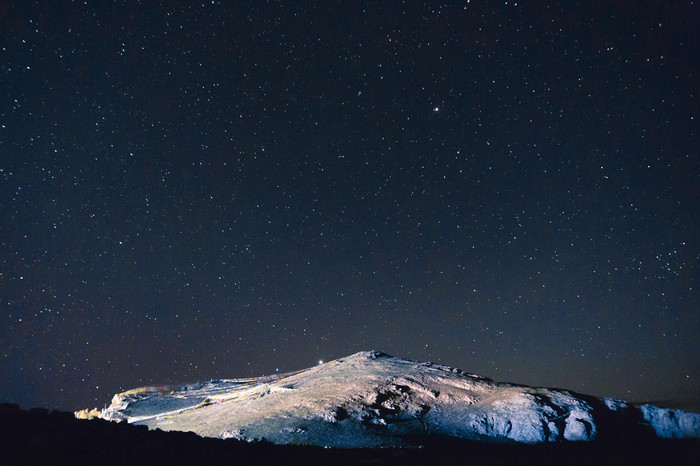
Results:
<point x="371" y="399"/>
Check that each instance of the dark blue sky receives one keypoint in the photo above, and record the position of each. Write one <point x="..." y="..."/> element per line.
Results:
<point x="216" y="190"/>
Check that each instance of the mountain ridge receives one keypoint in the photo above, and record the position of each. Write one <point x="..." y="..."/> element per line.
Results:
<point x="371" y="399"/>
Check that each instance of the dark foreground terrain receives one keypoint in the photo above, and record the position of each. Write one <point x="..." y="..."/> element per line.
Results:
<point x="42" y="437"/>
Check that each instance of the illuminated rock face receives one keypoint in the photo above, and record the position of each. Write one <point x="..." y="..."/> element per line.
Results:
<point x="372" y="399"/>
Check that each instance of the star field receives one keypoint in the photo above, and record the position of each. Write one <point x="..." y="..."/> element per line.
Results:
<point x="217" y="190"/>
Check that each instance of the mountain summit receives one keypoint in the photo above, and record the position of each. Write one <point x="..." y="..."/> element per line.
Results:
<point x="372" y="399"/>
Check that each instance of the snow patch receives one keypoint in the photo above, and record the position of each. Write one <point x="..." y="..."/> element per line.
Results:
<point x="671" y="423"/>
<point x="615" y="405"/>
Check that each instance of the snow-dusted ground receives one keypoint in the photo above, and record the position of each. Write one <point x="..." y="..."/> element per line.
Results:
<point x="372" y="399"/>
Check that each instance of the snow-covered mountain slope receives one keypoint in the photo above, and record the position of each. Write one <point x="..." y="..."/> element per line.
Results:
<point x="372" y="399"/>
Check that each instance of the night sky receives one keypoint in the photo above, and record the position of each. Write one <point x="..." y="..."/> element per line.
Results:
<point x="220" y="190"/>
